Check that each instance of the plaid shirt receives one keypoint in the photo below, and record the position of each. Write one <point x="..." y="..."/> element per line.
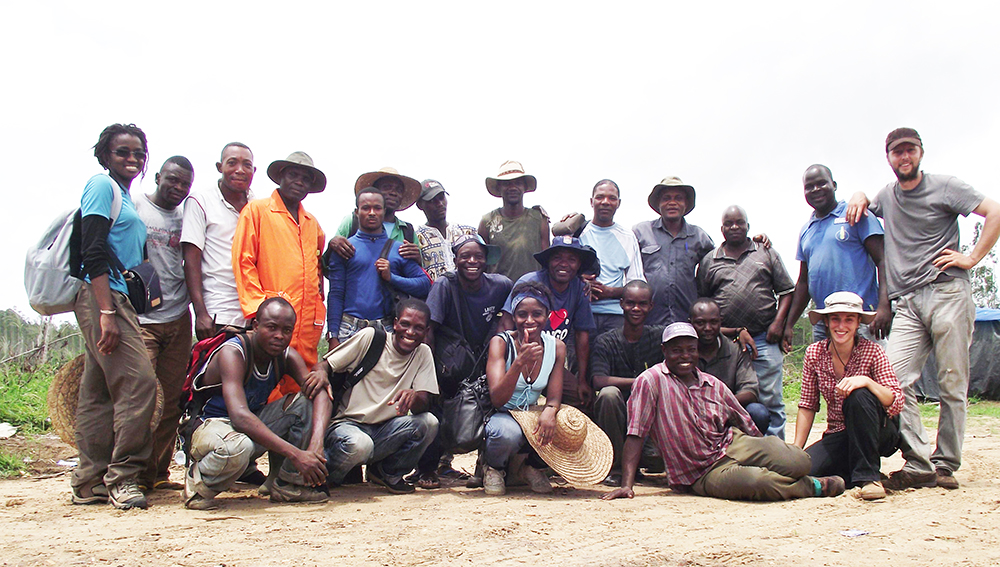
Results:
<point x="867" y="359"/>
<point x="690" y="425"/>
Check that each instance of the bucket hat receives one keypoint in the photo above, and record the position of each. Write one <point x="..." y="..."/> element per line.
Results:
<point x="671" y="182"/>
<point x="579" y="451"/>
<point x="842" y="302"/>
<point x="588" y="256"/>
<point x="511" y="170"/>
<point x="411" y="187"/>
<point x="492" y="250"/>
<point x="301" y="159"/>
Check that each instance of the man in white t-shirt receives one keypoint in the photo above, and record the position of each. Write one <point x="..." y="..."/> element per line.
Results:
<point x="372" y="424"/>
<point x="167" y="329"/>
<point x="210" y="218"/>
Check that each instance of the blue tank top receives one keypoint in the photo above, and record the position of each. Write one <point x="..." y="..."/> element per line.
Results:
<point x="258" y="388"/>
<point x="526" y="394"/>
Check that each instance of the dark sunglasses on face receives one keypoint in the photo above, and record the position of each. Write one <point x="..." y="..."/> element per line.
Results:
<point x="125" y="152"/>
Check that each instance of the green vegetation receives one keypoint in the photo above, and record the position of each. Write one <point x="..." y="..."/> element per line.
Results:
<point x="11" y="464"/>
<point x="23" y="398"/>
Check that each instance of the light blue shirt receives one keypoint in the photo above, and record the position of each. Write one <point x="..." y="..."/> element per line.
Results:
<point x="127" y="238"/>
<point x="618" y="251"/>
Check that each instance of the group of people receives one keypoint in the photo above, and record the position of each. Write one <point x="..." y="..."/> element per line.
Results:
<point x="671" y="345"/>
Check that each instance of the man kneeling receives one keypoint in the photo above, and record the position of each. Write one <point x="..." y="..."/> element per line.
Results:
<point x="236" y="424"/>
<point x="708" y="441"/>
<point x="372" y="426"/>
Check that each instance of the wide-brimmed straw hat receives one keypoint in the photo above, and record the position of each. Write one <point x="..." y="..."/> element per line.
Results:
<point x="64" y="394"/>
<point x="300" y="159"/>
<point x="672" y="182"/>
<point x="511" y="170"/>
<point x="588" y="256"/>
<point x="411" y="187"/>
<point x="579" y="451"/>
<point x="842" y="302"/>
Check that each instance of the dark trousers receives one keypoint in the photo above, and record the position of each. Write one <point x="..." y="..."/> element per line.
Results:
<point x="432" y="455"/>
<point x="854" y="453"/>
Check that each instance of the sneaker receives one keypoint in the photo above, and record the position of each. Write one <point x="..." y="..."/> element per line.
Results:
<point x="126" y="495"/>
<point x="536" y="479"/>
<point x="377" y="477"/>
<point x="872" y="491"/>
<point x="903" y="479"/>
<point x="265" y="489"/>
<point x="282" y="491"/>
<point x="95" y="493"/>
<point x="946" y="479"/>
<point x="193" y="500"/>
<point x="493" y="482"/>
<point x="831" y="486"/>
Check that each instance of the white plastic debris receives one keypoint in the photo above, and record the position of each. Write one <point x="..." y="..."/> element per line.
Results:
<point x="68" y="463"/>
<point x="7" y="430"/>
<point x="854" y="532"/>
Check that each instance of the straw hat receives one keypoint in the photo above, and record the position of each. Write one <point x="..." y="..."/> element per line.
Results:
<point x="580" y="452"/>
<point x="64" y="393"/>
<point x="672" y="182"/>
<point x="842" y="302"/>
<point x="300" y="159"/>
<point x="411" y="187"/>
<point x="511" y="170"/>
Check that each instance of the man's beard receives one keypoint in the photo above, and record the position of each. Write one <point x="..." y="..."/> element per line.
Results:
<point x="908" y="176"/>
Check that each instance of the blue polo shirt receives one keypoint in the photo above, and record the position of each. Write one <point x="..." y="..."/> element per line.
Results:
<point x="835" y="253"/>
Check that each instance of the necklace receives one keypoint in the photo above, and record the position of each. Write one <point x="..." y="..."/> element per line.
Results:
<point x="833" y="349"/>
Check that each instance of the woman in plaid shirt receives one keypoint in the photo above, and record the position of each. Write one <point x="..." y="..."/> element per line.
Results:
<point x="862" y="395"/>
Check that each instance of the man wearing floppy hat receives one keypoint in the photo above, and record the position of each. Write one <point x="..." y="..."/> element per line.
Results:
<point x="276" y="252"/>
<point x="570" y="319"/>
<point x="708" y="441"/>
<point x="671" y="249"/>
<point x="520" y="232"/>
<point x="928" y="279"/>
<point x="400" y="192"/>
<point x="465" y="306"/>
<point x="437" y="237"/>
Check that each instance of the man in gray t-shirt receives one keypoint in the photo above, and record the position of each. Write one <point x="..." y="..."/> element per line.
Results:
<point x="928" y="280"/>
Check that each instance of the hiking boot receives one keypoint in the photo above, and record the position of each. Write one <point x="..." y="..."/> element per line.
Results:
<point x="872" y="491"/>
<point x="95" y="493"/>
<point x="126" y="495"/>
<point x="536" y="480"/>
<point x="282" y="491"/>
<point x="946" y="479"/>
<point x="493" y="482"/>
<point x="377" y="477"/>
<point x="903" y="479"/>
<point x="830" y="486"/>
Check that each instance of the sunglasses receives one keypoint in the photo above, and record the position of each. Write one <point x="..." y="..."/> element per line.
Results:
<point x="125" y="152"/>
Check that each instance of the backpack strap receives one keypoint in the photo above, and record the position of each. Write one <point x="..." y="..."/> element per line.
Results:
<point x="372" y="355"/>
<point x="408" y="232"/>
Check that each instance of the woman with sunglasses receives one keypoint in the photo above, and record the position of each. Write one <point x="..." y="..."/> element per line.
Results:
<point x="862" y="394"/>
<point x="118" y="387"/>
<point x="520" y="366"/>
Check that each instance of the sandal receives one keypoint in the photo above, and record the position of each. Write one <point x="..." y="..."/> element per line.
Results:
<point x="450" y="472"/>
<point x="429" y="481"/>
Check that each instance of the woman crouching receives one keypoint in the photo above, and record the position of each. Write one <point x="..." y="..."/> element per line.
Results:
<point x="862" y="395"/>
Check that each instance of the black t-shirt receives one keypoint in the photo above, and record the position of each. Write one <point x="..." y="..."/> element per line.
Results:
<point x="480" y="308"/>
<point x="612" y="355"/>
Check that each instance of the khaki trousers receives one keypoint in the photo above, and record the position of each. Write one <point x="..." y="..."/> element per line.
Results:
<point x="117" y="397"/>
<point x="169" y="348"/>
<point x="758" y="468"/>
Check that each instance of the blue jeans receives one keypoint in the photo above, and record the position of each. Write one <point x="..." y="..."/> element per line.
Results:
<point x="504" y="438"/>
<point x="395" y="445"/>
<point x="760" y="416"/>
<point x="768" y="366"/>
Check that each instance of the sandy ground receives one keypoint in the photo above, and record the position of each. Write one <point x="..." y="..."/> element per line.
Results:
<point x="363" y="525"/>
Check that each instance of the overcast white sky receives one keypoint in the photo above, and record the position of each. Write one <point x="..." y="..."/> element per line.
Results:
<point x="736" y="98"/>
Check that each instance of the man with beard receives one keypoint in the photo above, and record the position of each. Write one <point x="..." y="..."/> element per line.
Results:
<point x="618" y="357"/>
<point x="167" y="329"/>
<point x="753" y="290"/>
<point x="520" y="232"/>
<point x="210" y="219"/>
<point x="928" y="278"/>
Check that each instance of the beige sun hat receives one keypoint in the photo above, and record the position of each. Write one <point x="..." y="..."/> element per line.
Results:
<point x="842" y="302"/>
<point x="579" y="451"/>
<point x="64" y="394"/>
<point x="671" y="182"/>
<point x="411" y="187"/>
<point x="301" y="159"/>
<point x="511" y="170"/>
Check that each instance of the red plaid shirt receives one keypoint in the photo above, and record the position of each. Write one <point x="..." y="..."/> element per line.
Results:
<point x="690" y="425"/>
<point x="867" y="359"/>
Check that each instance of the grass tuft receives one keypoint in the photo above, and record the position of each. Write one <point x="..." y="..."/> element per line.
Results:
<point x="11" y="464"/>
<point x="23" y="398"/>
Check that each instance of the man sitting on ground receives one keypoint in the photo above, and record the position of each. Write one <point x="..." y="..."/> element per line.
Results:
<point x="236" y="424"/>
<point x="373" y="425"/>
<point x="707" y="439"/>
<point x="723" y="358"/>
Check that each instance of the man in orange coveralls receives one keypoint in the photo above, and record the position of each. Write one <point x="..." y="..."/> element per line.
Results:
<point x="276" y="252"/>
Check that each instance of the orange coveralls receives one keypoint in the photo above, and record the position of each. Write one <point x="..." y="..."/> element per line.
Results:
<point x="275" y="256"/>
